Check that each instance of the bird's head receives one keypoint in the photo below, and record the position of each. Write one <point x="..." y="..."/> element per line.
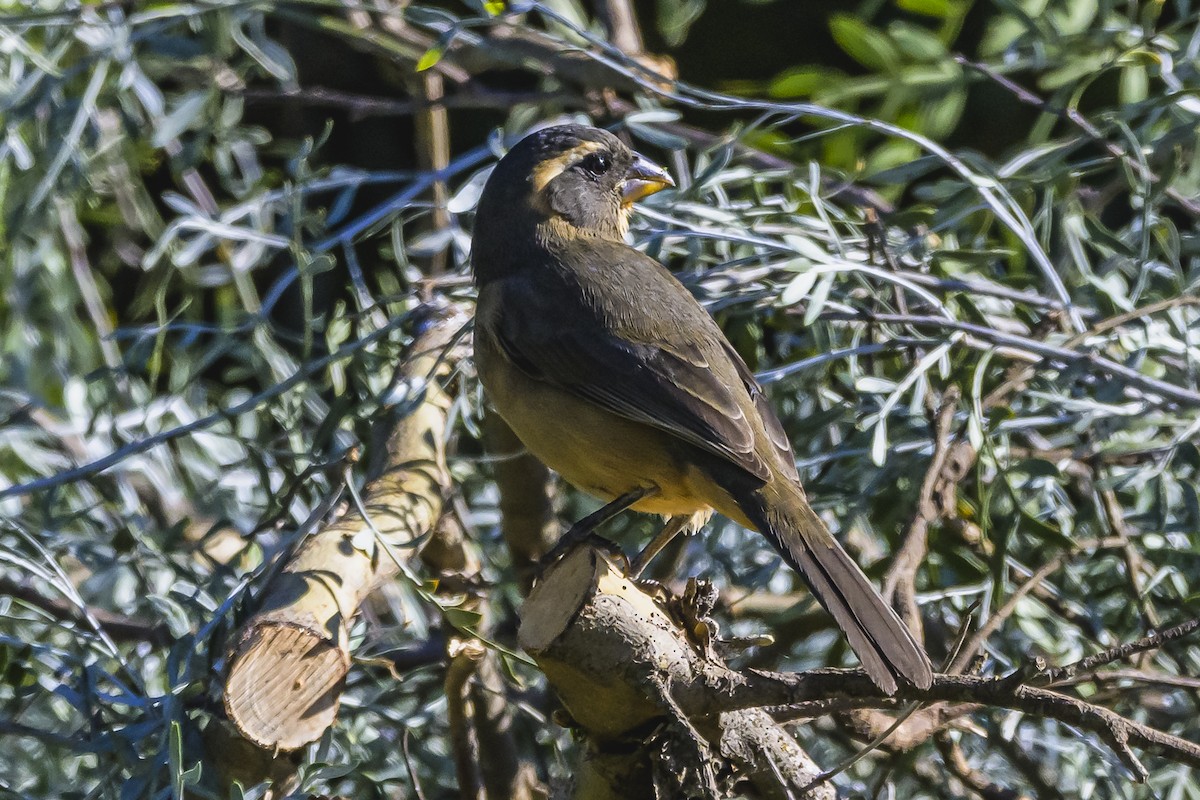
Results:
<point x="575" y="176"/>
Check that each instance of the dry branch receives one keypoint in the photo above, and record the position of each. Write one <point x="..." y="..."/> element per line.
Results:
<point x="627" y="669"/>
<point x="900" y="583"/>
<point x="505" y="775"/>
<point x="464" y="657"/>
<point x="1121" y="652"/>
<point x="640" y="687"/>
<point x="289" y="661"/>
<point x="1120" y="733"/>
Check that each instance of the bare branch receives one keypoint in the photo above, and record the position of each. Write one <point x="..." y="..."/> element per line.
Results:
<point x="1120" y="653"/>
<point x="1120" y="733"/>
<point x="899" y="584"/>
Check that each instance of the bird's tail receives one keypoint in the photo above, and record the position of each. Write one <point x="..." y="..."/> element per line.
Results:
<point x="881" y="641"/>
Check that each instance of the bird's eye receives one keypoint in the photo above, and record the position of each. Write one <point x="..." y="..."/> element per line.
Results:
<point x="596" y="164"/>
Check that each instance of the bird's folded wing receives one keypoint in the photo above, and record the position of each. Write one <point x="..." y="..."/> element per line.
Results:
<point x="669" y="385"/>
<point x="773" y="427"/>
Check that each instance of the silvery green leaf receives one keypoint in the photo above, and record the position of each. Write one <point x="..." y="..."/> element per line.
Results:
<point x="652" y="116"/>
<point x="798" y="287"/>
<point x="430" y="243"/>
<point x="872" y="385"/>
<point x="180" y="118"/>
<point x="806" y="247"/>
<point x="467" y="196"/>
<point x="657" y="137"/>
<point x="879" y="443"/>
<point x="820" y="295"/>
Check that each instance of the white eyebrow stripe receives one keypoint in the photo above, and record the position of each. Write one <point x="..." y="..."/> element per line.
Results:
<point x="549" y="170"/>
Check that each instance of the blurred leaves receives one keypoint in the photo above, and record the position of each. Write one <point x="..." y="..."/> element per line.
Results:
<point x="675" y="17"/>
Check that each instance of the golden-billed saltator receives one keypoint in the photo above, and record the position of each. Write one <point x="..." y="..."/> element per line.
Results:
<point x="611" y="373"/>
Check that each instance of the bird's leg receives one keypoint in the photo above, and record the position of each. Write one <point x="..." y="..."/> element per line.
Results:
<point x="674" y="525"/>
<point x="584" y="528"/>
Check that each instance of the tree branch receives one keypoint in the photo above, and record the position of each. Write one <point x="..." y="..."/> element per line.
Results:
<point x="286" y="671"/>
<point x="604" y="644"/>
<point x="1120" y="733"/>
<point x="1119" y="653"/>
<point x="900" y="582"/>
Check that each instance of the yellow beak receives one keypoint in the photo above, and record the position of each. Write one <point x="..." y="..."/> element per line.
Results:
<point x="643" y="179"/>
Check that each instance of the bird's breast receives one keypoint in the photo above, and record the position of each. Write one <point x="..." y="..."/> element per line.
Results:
<point x="595" y="450"/>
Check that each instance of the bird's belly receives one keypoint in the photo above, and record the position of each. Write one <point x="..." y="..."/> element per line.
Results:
<point x="600" y="452"/>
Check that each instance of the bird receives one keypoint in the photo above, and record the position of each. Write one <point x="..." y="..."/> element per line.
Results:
<point x="611" y="373"/>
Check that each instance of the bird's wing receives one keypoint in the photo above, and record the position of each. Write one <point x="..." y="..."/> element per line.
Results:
<point x="692" y="386"/>
<point x="657" y="385"/>
<point x="774" y="428"/>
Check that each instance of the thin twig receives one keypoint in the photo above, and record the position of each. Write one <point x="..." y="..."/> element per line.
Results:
<point x="1120" y="652"/>
<point x="408" y="767"/>
<point x="893" y="725"/>
<point x="1136" y="676"/>
<point x="980" y="637"/>
<point x="1134" y="564"/>
<point x="899" y="584"/>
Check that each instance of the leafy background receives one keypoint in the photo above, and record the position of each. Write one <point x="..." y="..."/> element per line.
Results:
<point x="219" y="218"/>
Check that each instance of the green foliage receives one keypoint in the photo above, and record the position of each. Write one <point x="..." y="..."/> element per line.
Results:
<point x="201" y="316"/>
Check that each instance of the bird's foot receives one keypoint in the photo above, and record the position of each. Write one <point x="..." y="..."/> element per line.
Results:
<point x="693" y="610"/>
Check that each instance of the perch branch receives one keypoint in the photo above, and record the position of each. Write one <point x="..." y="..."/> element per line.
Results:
<point x="608" y="647"/>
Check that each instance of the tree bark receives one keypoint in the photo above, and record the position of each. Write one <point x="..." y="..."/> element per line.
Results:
<point x="290" y="659"/>
<point x="632" y="670"/>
